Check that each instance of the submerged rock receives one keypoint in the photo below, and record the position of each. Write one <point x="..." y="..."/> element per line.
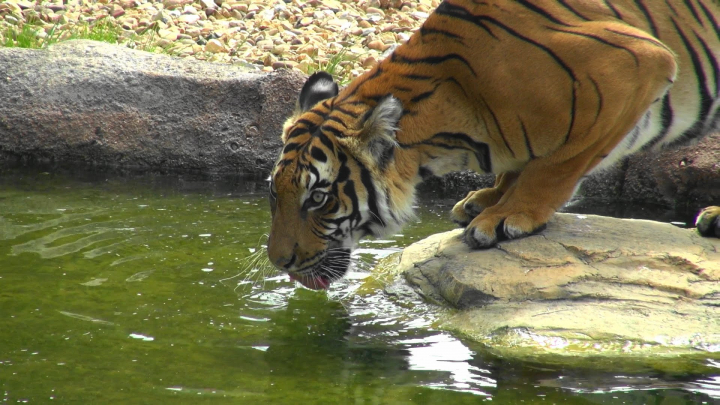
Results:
<point x="586" y="285"/>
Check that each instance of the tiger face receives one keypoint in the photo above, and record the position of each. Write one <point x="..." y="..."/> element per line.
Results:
<point x="323" y="197"/>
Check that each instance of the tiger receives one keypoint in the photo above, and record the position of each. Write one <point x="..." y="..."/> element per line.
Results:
<point x="540" y="93"/>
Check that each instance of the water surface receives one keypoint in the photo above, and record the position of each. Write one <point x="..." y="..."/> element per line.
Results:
<point x="149" y="289"/>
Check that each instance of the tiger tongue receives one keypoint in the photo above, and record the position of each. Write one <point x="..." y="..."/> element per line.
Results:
<point x="313" y="283"/>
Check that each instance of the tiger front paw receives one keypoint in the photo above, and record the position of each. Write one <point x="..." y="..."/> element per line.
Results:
<point x="473" y="204"/>
<point x="708" y="222"/>
<point x="487" y="230"/>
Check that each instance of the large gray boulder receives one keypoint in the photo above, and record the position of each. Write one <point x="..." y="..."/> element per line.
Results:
<point x="91" y="103"/>
<point x="587" y="285"/>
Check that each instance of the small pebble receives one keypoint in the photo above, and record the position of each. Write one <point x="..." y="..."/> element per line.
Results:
<point x="273" y="35"/>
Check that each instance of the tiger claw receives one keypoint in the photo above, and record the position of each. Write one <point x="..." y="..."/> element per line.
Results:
<point x="483" y="233"/>
<point x="477" y="239"/>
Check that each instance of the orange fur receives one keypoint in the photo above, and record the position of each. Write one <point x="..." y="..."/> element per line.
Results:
<point x="540" y="92"/>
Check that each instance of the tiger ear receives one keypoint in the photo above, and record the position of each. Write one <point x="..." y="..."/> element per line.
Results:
<point x="318" y="87"/>
<point x="378" y="131"/>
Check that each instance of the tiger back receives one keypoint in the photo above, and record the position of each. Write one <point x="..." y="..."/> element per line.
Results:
<point x="539" y="92"/>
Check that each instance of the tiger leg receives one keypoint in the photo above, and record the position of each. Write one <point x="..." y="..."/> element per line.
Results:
<point x="604" y="110"/>
<point x="708" y="222"/>
<point x="530" y="202"/>
<point x="476" y="201"/>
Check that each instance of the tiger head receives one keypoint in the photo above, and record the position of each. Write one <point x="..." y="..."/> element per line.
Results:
<point x="325" y="192"/>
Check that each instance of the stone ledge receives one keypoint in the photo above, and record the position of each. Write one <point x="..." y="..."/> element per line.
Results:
<point x="587" y="285"/>
<point x="94" y="104"/>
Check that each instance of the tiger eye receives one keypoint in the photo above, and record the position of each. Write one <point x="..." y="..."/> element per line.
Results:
<point x="318" y="197"/>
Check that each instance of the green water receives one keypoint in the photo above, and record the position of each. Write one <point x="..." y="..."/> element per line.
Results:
<point x="146" y="289"/>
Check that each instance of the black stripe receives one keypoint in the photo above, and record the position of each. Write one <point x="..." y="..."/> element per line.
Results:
<point x="318" y="154"/>
<point x="433" y="60"/>
<point x="309" y="124"/>
<point x="480" y="149"/>
<point x="455" y="82"/>
<point x="430" y="31"/>
<point x="711" y="17"/>
<point x="343" y="173"/>
<point x="377" y="71"/>
<point x="646" y="12"/>
<point x="416" y="77"/>
<point x="367" y="181"/>
<point x="296" y="132"/>
<point x="309" y="259"/>
<point x="376" y="98"/>
<point x="366" y="115"/>
<point x="613" y="9"/>
<point x="326" y="228"/>
<point x="388" y="203"/>
<point x="323" y="183"/>
<point x="338" y="221"/>
<point x="349" y="190"/>
<point x="344" y="111"/>
<point x="600" y="101"/>
<point x="336" y="119"/>
<point x="312" y="169"/>
<point x="693" y="11"/>
<point x="326" y="141"/>
<point x="450" y="10"/>
<point x="713" y="62"/>
<point x="292" y="260"/>
<point x="527" y="140"/>
<point x="284" y="162"/>
<point x="290" y="147"/>
<point x="502" y="135"/>
<point x="651" y="40"/>
<point x="672" y="8"/>
<point x="333" y="206"/>
<point x="667" y="116"/>
<point x="321" y="114"/>
<point x="599" y="39"/>
<point x="542" y="12"/>
<point x="334" y="131"/>
<point x="572" y="10"/>
<point x="705" y="97"/>
<point x="422" y="96"/>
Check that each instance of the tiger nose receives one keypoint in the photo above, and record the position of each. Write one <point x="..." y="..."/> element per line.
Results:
<point x="285" y="262"/>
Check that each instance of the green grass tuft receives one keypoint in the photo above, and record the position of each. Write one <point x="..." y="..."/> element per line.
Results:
<point x="103" y="30"/>
<point x="334" y="67"/>
<point x="25" y="37"/>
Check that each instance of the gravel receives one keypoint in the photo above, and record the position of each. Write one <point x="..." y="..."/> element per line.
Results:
<point x="349" y="36"/>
